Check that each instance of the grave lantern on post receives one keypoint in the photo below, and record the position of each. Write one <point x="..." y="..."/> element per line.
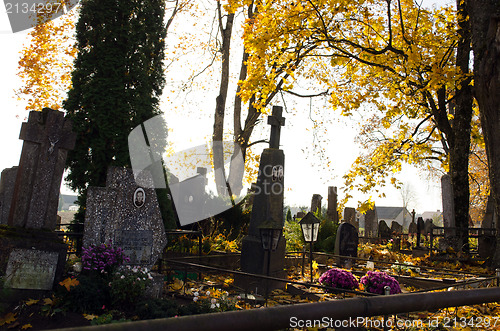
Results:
<point x="310" y="227"/>
<point x="270" y="235"/>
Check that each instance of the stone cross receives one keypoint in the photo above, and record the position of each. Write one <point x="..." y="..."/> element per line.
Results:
<point x="276" y="121"/>
<point x="47" y="138"/>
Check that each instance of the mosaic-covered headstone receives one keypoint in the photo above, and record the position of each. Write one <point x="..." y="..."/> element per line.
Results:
<point x="127" y="216"/>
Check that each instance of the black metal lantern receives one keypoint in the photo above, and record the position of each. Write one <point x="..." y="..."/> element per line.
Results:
<point x="270" y="236"/>
<point x="310" y="228"/>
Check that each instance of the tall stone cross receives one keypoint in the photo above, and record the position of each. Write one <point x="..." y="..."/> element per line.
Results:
<point x="276" y="121"/>
<point x="47" y="138"/>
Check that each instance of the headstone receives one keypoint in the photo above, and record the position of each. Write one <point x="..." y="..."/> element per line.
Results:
<point x="350" y="217"/>
<point x="267" y="208"/>
<point x="300" y="214"/>
<point x="384" y="231"/>
<point x="346" y="242"/>
<point x="126" y="215"/>
<point x="191" y="197"/>
<point x="371" y="223"/>
<point x="30" y="269"/>
<point x="47" y="138"/>
<point x="31" y="254"/>
<point x="448" y="205"/>
<point x="412" y="229"/>
<point x="332" y="214"/>
<point x="486" y="242"/>
<point x="396" y="228"/>
<point x="316" y="203"/>
<point x="7" y="181"/>
<point x="420" y="229"/>
<point x="428" y="226"/>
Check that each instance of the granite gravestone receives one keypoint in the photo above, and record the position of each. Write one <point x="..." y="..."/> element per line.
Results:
<point x="396" y="228"/>
<point x="7" y="181"/>
<point x="29" y="248"/>
<point x="47" y="138"/>
<point x="316" y="203"/>
<point x="412" y="229"/>
<point x="126" y="215"/>
<point x="190" y="197"/>
<point x="486" y="243"/>
<point x="346" y="243"/>
<point x="448" y="206"/>
<point x="371" y="223"/>
<point x="267" y="208"/>
<point x="350" y="217"/>
<point x="384" y="231"/>
<point x="331" y="212"/>
<point x="428" y="226"/>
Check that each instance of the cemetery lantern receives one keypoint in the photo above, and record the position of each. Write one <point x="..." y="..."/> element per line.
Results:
<point x="270" y="235"/>
<point x="310" y="228"/>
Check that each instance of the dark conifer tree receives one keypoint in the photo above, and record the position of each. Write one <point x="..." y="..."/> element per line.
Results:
<point x="116" y="84"/>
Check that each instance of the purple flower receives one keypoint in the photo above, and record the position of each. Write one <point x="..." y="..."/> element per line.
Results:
<point x="375" y="281"/>
<point x="339" y="278"/>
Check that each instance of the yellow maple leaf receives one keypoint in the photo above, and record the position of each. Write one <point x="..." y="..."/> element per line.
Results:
<point x="89" y="317"/>
<point x="48" y="301"/>
<point x="31" y="302"/>
<point x="7" y="319"/>
<point x="177" y="284"/>
<point x="69" y="282"/>
<point x="26" y="326"/>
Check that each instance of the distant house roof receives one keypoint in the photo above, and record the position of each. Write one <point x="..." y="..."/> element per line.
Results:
<point x="432" y="215"/>
<point x="388" y="213"/>
<point x="69" y="199"/>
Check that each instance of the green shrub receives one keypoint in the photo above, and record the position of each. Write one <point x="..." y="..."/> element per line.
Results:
<point x="157" y="308"/>
<point x="91" y="295"/>
<point x="293" y="235"/>
<point x="128" y="285"/>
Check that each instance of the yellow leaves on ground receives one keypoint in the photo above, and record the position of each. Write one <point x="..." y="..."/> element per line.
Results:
<point x="7" y="319"/>
<point x="90" y="317"/>
<point x="31" y="302"/>
<point x="48" y="301"/>
<point x="176" y="285"/>
<point x="69" y="282"/>
<point x="26" y="326"/>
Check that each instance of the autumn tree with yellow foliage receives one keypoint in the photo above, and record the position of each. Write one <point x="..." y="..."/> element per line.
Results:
<point x="404" y="66"/>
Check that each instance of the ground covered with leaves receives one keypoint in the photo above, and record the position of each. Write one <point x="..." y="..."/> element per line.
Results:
<point x="79" y="301"/>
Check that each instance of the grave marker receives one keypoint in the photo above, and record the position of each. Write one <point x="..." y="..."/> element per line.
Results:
<point x="316" y="203"/>
<point x="267" y="208"/>
<point x="346" y="242"/>
<point x="448" y="206"/>
<point x="126" y="215"/>
<point x="350" y="217"/>
<point x="371" y="223"/>
<point x="31" y="269"/>
<point x="331" y="212"/>
<point x="7" y="182"/>
<point x="47" y="138"/>
<point x="384" y="231"/>
<point x="396" y="228"/>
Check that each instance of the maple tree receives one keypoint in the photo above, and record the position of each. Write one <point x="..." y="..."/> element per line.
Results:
<point x="46" y="63"/>
<point x="403" y="66"/>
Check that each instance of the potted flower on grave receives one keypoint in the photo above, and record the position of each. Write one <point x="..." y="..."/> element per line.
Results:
<point x="375" y="281"/>
<point x="339" y="278"/>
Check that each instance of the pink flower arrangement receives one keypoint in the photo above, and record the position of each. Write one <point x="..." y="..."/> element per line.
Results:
<point x="339" y="278"/>
<point x="375" y="281"/>
<point x="102" y="258"/>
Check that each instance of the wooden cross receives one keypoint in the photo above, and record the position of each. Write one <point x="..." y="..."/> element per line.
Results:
<point x="276" y="121"/>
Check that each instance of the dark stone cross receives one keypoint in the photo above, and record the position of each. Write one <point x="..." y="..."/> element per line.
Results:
<point x="47" y="138"/>
<point x="276" y="121"/>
